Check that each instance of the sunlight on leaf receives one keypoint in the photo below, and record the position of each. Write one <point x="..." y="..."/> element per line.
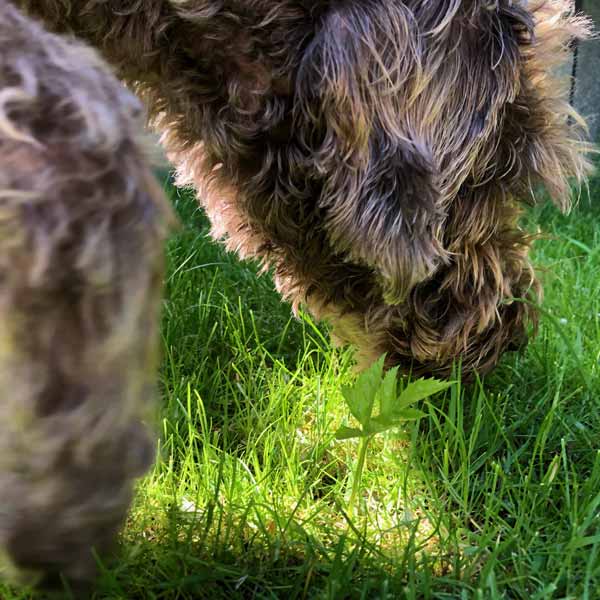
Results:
<point x="361" y="396"/>
<point x="419" y="390"/>
<point x="387" y="393"/>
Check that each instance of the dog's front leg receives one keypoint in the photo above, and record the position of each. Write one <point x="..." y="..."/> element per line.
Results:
<point x="81" y="226"/>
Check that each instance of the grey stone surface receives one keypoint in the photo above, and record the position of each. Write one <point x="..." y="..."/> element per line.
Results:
<point x="587" y="93"/>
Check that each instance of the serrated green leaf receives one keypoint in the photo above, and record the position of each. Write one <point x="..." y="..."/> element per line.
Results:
<point x="387" y="394"/>
<point x="347" y="433"/>
<point x="360" y="397"/>
<point x="380" y="424"/>
<point x="410" y="414"/>
<point x="419" y="390"/>
<point x="384" y="420"/>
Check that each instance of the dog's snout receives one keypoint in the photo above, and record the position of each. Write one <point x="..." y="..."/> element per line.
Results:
<point x="45" y="550"/>
<point x="16" y="574"/>
<point x="42" y="560"/>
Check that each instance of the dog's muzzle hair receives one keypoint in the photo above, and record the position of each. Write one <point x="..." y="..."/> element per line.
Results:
<point x="373" y="153"/>
<point x="81" y="228"/>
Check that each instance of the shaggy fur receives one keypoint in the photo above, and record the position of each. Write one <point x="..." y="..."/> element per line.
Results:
<point x="373" y="153"/>
<point x="81" y="230"/>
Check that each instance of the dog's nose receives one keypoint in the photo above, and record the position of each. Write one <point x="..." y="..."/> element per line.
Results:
<point x="51" y="583"/>
<point x="518" y="342"/>
<point x="33" y="563"/>
<point x="38" y="554"/>
<point x="26" y="565"/>
<point x="11" y="572"/>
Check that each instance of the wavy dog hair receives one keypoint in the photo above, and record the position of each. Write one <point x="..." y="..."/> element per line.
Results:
<point x="82" y="222"/>
<point x="373" y="153"/>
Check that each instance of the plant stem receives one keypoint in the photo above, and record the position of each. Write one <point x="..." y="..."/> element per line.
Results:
<point x="358" y="471"/>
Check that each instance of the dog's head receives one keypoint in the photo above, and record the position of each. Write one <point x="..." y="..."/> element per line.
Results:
<point x="422" y="106"/>
<point x="382" y="149"/>
<point x="80" y="280"/>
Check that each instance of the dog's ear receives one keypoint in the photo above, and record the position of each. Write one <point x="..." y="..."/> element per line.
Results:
<point x="355" y="88"/>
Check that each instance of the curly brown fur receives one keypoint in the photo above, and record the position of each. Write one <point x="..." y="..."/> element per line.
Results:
<point x="373" y="153"/>
<point x="81" y="226"/>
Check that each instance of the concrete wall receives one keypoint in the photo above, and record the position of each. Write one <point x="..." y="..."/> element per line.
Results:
<point x="587" y="92"/>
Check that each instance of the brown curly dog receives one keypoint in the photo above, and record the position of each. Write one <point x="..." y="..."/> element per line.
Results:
<point x="373" y="153"/>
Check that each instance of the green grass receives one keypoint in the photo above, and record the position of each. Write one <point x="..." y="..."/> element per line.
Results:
<point x="496" y="494"/>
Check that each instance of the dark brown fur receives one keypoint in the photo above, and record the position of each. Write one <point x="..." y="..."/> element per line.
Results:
<point x="373" y="153"/>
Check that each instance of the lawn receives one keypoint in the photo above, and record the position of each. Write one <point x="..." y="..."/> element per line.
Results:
<point x="494" y="494"/>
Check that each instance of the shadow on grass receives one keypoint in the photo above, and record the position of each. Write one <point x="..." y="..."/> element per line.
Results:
<point x="261" y="563"/>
